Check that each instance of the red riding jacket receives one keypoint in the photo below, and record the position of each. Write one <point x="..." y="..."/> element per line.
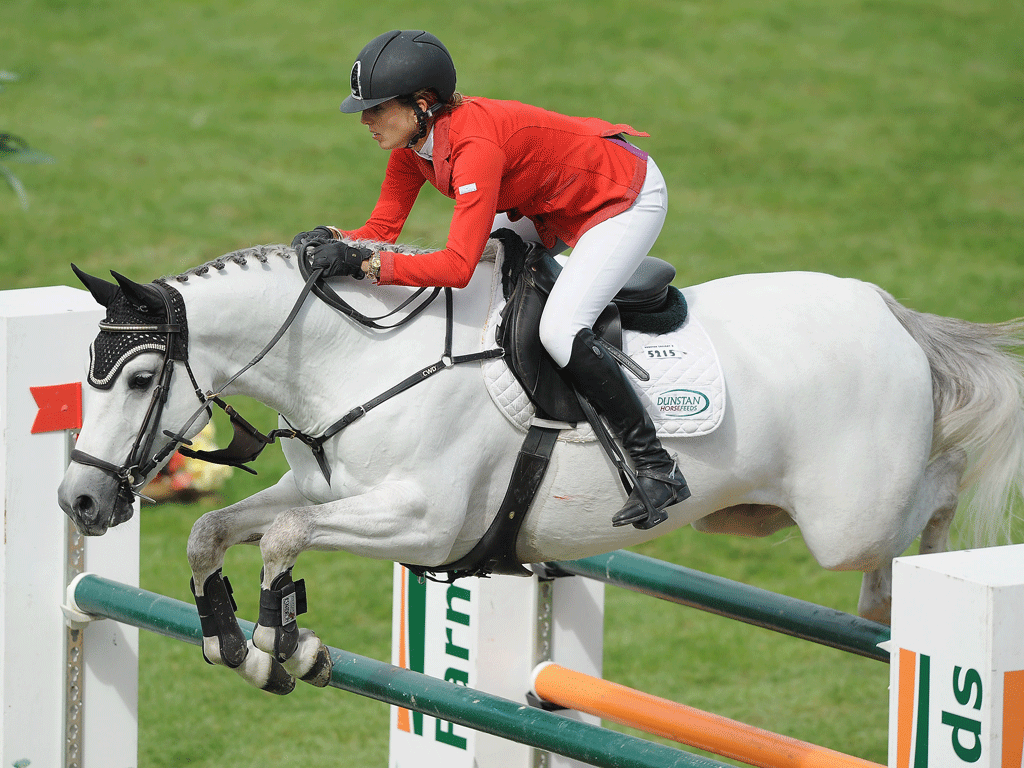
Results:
<point x="563" y="173"/>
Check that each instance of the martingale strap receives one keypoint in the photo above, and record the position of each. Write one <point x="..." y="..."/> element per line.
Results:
<point x="248" y="442"/>
<point x="447" y="361"/>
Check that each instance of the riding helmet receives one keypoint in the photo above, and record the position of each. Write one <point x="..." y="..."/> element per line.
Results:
<point x="400" y="63"/>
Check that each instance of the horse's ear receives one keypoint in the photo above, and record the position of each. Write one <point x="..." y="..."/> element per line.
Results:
<point x="100" y="289"/>
<point x="139" y="295"/>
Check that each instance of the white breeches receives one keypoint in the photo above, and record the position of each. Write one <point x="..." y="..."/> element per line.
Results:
<point x="605" y="257"/>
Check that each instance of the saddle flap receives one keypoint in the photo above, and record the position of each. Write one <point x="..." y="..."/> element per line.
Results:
<point x="646" y="302"/>
<point x="519" y="335"/>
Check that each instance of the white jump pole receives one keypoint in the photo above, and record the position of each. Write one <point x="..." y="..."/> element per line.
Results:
<point x="69" y="694"/>
<point x="488" y="634"/>
<point x="957" y="664"/>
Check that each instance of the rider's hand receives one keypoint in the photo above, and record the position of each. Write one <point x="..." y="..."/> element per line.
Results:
<point x="314" y="237"/>
<point x="338" y="258"/>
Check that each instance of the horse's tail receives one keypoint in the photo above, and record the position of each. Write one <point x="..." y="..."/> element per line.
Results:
<point x="978" y="392"/>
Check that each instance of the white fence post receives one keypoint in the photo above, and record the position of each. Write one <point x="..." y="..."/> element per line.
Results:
<point x="488" y="634"/>
<point x="957" y="676"/>
<point x="69" y="696"/>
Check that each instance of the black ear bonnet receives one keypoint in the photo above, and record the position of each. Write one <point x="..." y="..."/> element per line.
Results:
<point x="113" y="348"/>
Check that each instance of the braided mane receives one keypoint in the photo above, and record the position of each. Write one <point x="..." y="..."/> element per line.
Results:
<point x="261" y="253"/>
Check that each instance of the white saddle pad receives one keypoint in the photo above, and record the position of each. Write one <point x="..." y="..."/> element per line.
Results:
<point x="685" y="394"/>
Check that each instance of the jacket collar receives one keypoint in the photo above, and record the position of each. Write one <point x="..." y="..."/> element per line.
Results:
<point x="443" y="151"/>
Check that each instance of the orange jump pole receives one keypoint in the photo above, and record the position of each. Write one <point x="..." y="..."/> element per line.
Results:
<point x="687" y="725"/>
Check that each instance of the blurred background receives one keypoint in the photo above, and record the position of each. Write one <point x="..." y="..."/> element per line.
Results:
<point x="877" y="139"/>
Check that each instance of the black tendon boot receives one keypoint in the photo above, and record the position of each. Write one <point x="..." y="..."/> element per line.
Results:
<point x="600" y="379"/>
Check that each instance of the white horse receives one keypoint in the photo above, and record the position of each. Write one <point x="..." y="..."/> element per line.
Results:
<point x="850" y="416"/>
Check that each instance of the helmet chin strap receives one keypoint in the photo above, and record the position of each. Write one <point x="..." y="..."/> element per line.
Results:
<point x="421" y="121"/>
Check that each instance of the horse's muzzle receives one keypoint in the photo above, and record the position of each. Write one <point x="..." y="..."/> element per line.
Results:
<point x="95" y="504"/>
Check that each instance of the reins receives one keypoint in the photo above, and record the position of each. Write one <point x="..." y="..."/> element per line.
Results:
<point x="247" y="441"/>
<point x="330" y="297"/>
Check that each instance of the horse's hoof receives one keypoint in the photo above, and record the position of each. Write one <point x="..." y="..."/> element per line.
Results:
<point x="262" y="671"/>
<point x="279" y="681"/>
<point x="311" y="662"/>
<point x="320" y="673"/>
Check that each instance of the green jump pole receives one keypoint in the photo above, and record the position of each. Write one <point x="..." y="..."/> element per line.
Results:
<point x="404" y="688"/>
<point x="742" y="602"/>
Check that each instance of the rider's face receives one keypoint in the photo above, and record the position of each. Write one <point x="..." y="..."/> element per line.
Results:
<point x="391" y="124"/>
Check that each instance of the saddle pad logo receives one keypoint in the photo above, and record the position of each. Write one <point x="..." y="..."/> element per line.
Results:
<point x="681" y="403"/>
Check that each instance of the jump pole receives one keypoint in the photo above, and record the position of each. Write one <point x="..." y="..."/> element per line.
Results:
<point x="749" y="604"/>
<point x="102" y="598"/>
<point x="69" y="693"/>
<point x="687" y="725"/>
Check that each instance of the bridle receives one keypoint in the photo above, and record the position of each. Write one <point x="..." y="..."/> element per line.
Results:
<point x="247" y="441"/>
<point x="133" y="471"/>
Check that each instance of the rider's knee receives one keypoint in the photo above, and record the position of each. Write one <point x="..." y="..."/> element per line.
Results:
<point x="556" y="337"/>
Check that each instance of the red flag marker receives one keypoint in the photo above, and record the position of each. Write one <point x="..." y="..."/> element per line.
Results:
<point x="60" y="407"/>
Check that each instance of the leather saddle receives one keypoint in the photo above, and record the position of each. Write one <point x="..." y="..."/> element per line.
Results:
<point x="647" y="302"/>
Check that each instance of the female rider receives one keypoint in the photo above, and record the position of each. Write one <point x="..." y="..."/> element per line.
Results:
<point x="557" y="180"/>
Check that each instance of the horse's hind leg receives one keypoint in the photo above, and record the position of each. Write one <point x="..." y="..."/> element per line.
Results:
<point x="938" y="498"/>
<point x="935" y="536"/>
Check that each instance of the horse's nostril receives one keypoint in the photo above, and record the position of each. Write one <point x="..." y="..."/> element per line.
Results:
<point x="85" y="508"/>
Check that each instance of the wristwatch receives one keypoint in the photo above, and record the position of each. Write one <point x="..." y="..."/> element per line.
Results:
<point x="374" y="267"/>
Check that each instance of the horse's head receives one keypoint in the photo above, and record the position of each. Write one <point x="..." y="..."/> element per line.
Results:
<point x="129" y="402"/>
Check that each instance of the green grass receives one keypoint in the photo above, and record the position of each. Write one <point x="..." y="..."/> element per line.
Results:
<point x="880" y="139"/>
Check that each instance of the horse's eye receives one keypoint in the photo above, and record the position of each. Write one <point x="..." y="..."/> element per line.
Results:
<point x="140" y="380"/>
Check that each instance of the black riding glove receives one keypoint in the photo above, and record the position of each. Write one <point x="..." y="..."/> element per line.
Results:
<point x="340" y="259"/>
<point x="314" y="237"/>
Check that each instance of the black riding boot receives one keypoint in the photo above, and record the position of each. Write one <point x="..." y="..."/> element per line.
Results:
<point x="600" y="379"/>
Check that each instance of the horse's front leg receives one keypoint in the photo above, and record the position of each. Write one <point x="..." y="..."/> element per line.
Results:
<point x="389" y="522"/>
<point x="212" y="535"/>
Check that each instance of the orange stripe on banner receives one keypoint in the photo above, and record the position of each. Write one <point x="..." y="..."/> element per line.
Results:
<point x="403" y="714"/>
<point x="1013" y="719"/>
<point x="684" y="724"/>
<point x="905" y="713"/>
